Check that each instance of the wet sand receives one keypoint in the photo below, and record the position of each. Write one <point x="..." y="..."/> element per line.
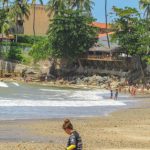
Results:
<point x="126" y="129"/>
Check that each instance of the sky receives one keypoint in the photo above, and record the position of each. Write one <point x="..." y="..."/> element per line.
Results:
<point x="99" y="8"/>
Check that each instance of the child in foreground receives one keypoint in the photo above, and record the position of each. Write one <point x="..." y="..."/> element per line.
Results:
<point x="74" y="141"/>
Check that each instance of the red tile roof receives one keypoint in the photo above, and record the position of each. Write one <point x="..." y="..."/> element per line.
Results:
<point x="104" y="34"/>
<point x="100" y="25"/>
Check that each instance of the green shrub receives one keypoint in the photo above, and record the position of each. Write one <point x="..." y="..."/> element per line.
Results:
<point x="15" y="54"/>
<point x="26" y="59"/>
<point x="30" y="39"/>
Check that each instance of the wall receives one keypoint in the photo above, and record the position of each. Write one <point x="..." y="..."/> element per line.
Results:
<point x="41" y="21"/>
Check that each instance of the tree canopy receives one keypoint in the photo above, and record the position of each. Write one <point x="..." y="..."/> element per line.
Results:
<point x="71" y="34"/>
<point x="145" y="4"/>
<point x="131" y="32"/>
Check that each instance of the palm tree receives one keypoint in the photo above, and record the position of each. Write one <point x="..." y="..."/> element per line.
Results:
<point x="106" y="23"/>
<point x="5" y="25"/>
<point x="18" y="10"/>
<point x="84" y="5"/>
<point x="54" y="6"/>
<point x="145" y="4"/>
<point x="34" y="5"/>
<point x="4" y="2"/>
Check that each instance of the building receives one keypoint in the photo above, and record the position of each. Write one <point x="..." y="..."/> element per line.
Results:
<point x="101" y="51"/>
<point x="41" y="21"/>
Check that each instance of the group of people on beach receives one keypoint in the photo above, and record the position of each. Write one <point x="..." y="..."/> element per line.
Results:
<point x="133" y="90"/>
<point x="115" y="96"/>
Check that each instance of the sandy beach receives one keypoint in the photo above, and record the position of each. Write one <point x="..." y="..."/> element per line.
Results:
<point x="126" y="129"/>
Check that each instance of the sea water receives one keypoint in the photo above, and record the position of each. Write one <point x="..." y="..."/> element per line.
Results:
<point x="23" y="101"/>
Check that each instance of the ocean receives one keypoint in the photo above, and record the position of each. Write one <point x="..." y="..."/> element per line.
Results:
<point x="25" y="101"/>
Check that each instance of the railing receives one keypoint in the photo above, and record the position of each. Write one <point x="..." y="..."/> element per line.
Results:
<point x="98" y="57"/>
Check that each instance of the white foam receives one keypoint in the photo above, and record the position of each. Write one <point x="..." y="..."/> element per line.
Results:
<point x="92" y="95"/>
<point x="15" y="83"/>
<point x="81" y="94"/>
<point x="35" y="103"/>
<point x="53" y="90"/>
<point x="2" y="84"/>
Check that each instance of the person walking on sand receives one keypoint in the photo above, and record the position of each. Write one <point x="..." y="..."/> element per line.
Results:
<point x="134" y="91"/>
<point x="74" y="141"/>
<point x="116" y="94"/>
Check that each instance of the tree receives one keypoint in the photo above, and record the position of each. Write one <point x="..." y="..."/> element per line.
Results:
<point x="18" y="10"/>
<point x="125" y="31"/>
<point x="5" y="2"/>
<point x="71" y="34"/>
<point x="4" y="21"/>
<point x="4" y="26"/>
<point x="55" y="6"/>
<point x="41" y="50"/>
<point x="83" y="5"/>
<point x="131" y="32"/>
<point x="145" y="4"/>
<point x="144" y="38"/>
<point x="34" y="7"/>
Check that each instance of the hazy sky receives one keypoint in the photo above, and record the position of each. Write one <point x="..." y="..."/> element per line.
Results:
<point x="99" y="11"/>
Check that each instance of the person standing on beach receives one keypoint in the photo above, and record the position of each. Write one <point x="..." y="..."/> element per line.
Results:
<point x="116" y="94"/>
<point x="111" y="93"/>
<point x="74" y="141"/>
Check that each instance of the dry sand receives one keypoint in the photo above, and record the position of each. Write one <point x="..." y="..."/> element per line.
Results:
<point x="128" y="129"/>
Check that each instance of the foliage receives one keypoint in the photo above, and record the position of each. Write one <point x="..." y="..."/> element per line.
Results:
<point x="19" y="9"/>
<point x="127" y="12"/>
<point x="145" y="4"/>
<point x="26" y="58"/>
<point x="125" y="31"/>
<point x="4" y="21"/>
<point x="83" y="5"/>
<point x="131" y="32"/>
<point x="143" y="31"/>
<point x="41" y="50"/>
<point x="30" y="39"/>
<point x="71" y="34"/>
<point x="55" y="6"/>
<point x="144" y="38"/>
<point x="14" y="54"/>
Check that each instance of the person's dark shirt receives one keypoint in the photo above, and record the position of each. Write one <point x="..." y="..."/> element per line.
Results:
<point x="75" y="139"/>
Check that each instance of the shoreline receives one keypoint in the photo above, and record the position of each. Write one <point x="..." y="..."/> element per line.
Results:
<point x="124" y="129"/>
<point x="57" y="84"/>
<point x="139" y="104"/>
<point x="93" y="111"/>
